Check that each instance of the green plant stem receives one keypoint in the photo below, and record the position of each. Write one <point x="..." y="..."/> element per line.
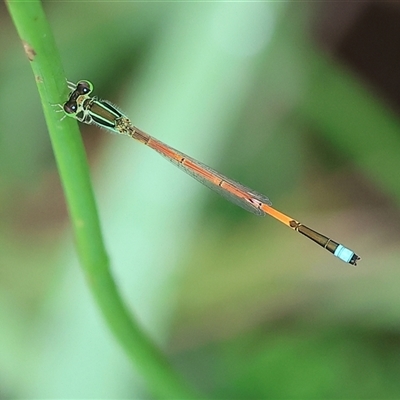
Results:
<point x="41" y="50"/>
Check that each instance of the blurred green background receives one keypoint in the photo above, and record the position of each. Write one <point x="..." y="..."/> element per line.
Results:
<point x="298" y="101"/>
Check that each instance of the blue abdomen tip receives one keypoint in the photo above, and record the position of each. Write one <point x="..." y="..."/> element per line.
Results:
<point x="344" y="253"/>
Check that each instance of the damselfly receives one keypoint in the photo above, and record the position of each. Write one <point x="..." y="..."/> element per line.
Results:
<point x="89" y="109"/>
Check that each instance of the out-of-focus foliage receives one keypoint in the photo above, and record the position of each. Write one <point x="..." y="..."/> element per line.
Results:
<point x="244" y="307"/>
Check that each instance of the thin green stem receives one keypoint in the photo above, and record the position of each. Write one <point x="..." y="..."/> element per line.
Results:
<point x="42" y="53"/>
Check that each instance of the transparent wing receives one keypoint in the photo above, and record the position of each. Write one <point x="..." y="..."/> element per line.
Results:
<point x="231" y="190"/>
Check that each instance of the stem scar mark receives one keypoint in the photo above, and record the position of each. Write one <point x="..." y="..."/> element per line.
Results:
<point x="29" y="51"/>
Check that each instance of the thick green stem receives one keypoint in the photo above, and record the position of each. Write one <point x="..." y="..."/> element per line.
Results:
<point x="42" y="53"/>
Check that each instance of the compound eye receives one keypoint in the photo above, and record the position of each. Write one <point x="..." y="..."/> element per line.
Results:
<point x="84" y="87"/>
<point x="70" y="107"/>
